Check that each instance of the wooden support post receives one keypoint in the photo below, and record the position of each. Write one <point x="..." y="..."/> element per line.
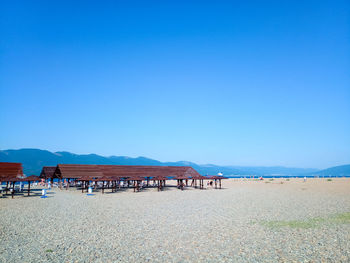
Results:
<point x="13" y="189"/>
<point x="28" y="188"/>
<point x="7" y="186"/>
<point x="103" y="187"/>
<point x="82" y="186"/>
<point x="220" y="183"/>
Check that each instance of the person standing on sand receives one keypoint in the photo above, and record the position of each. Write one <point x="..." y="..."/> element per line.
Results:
<point x="304" y="179"/>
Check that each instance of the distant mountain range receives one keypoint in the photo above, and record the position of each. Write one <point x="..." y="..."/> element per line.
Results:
<point x="34" y="159"/>
<point x="342" y="170"/>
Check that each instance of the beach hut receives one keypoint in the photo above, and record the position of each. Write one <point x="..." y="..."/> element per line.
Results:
<point x="200" y="179"/>
<point x="10" y="173"/>
<point x="30" y="179"/>
<point x="47" y="173"/>
<point x="217" y="180"/>
<point x="180" y="180"/>
<point x="161" y="180"/>
<point x="128" y="173"/>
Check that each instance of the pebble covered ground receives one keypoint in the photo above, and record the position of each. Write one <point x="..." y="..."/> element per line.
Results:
<point x="247" y="221"/>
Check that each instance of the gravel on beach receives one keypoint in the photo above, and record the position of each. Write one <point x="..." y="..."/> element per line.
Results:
<point x="246" y="221"/>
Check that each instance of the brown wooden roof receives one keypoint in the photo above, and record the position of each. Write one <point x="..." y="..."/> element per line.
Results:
<point x="213" y="177"/>
<point x="48" y="172"/>
<point x="31" y="178"/>
<point x="184" y="177"/>
<point x="120" y="171"/>
<point x="200" y="177"/>
<point x="10" y="170"/>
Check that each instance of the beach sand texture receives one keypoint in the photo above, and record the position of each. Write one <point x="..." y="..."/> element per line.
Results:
<point x="247" y="221"/>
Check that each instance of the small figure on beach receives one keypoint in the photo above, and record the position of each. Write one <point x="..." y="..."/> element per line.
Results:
<point x="182" y="185"/>
<point x="304" y="179"/>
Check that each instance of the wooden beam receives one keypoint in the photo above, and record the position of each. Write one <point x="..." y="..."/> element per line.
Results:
<point x="13" y="189"/>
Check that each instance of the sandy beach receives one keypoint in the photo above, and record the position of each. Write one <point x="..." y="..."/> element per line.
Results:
<point x="276" y="220"/>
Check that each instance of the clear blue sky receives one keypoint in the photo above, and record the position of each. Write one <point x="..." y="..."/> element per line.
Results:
<point x="230" y="83"/>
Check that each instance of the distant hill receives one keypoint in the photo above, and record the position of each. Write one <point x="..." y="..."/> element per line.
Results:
<point x="275" y="170"/>
<point x="342" y="170"/>
<point x="34" y="159"/>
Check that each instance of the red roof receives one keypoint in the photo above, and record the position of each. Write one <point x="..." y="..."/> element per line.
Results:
<point x="47" y="172"/>
<point x="213" y="177"/>
<point x="10" y="170"/>
<point x="120" y="171"/>
<point x="31" y="178"/>
<point x="200" y="177"/>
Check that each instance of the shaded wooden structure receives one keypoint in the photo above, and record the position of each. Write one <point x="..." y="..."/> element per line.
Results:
<point x="12" y="173"/>
<point x="133" y="175"/>
<point x="10" y="170"/>
<point x="217" y="180"/>
<point x="47" y="173"/>
<point x="200" y="179"/>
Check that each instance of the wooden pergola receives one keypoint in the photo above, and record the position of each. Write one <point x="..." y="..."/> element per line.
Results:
<point x="11" y="173"/>
<point x="217" y="180"/>
<point x="114" y="174"/>
<point x="180" y="181"/>
<point x="200" y="179"/>
<point x="47" y="173"/>
<point x="161" y="182"/>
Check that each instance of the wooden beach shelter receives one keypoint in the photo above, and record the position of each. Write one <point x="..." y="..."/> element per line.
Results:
<point x="10" y="173"/>
<point x="160" y="182"/>
<point x="10" y="170"/>
<point x="48" y="173"/>
<point x="127" y="173"/>
<point x="30" y="179"/>
<point x="77" y="172"/>
<point x="217" y="179"/>
<point x="136" y="182"/>
<point x="200" y="179"/>
<point x="181" y="178"/>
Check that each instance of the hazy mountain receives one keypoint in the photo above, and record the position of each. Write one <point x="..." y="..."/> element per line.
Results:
<point x="275" y="170"/>
<point x="342" y="170"/>
<point x="34" y="159"/>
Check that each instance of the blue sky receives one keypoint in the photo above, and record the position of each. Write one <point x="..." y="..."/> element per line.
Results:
<point x="224" y="82"/>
